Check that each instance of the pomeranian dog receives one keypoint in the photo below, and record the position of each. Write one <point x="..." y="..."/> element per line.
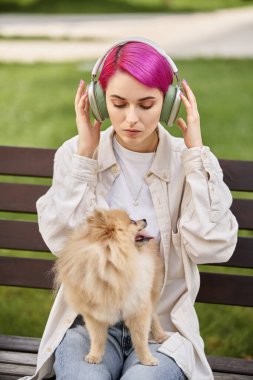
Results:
<point x="112" y="271"/>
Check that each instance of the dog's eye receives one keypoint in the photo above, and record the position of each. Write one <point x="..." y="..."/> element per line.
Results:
<point x="133" y="221"/>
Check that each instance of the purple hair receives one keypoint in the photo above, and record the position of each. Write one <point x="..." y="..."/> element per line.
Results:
<point x="140" y="60"/>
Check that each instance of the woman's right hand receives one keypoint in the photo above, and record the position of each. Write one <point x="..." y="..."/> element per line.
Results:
<point x="89" y="135"/>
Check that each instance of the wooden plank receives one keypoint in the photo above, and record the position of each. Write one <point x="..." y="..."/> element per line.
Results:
<point x="16" y="369"/>
<point x="18" y="358"/>
<point x="22" y="235"/>
<point x="32" y="273"/>
<point x="9" y="377"/>
<point x="19" y="343"/>
<point x="231" y="365"/>
<point x="243" y="254"/>
<point x="230" y="376"/>
<point x="243" y="210"/>
<point x="16" y="197"/>
<point x="35" y="162"/>
<point x="238" y="174"/>
<point x="226" y="289"/>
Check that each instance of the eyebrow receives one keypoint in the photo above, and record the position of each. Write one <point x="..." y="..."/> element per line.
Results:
<point x="119" y="97"/>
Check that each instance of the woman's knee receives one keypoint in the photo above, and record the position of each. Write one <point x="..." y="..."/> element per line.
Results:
<point x="167" y="369"/>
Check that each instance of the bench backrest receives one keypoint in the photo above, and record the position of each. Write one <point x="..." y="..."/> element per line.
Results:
<point x="220" y="288"/>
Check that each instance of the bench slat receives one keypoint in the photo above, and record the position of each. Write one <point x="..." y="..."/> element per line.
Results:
<point x="19" y="343"/>
<point x="243" y="254"/>
<point x="18" y="358"/>
<point x="226" y="289"/>
<point x="34" y="162"/>
<point x="223" y="367"/>
<point x="16" y="369"/>
<point x="231" y="365"/>
<point x="33" y="273"/>
<point x="238" y="174"/>
<point x="215" y="288"/>
<point x="22" y="235"/>
<point x="38" y="162"/>
<point x="27" y="237"/>
<point x="243" y="210"/>
<point x="16" y="197"/>
<point x="9" y="377"/>
<point x="230" y="376"/>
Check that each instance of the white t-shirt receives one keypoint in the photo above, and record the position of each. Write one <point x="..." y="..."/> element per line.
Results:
<point x="130" y="186"/>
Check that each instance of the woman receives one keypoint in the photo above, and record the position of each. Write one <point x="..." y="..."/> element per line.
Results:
<point x="176" y="184"/>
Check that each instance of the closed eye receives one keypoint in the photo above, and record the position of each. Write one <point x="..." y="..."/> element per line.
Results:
<point x="133" y="222"/>
<point x="123" y="105"/>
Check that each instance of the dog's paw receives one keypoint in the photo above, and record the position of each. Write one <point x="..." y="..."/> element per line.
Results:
<point x="150" y="360"/>
<point x="93" y="359"/>
<point x="160" y="338"/>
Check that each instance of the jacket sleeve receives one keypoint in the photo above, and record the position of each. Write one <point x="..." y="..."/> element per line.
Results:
<point x="70" y="198"/>
<point x="207" y="227"/>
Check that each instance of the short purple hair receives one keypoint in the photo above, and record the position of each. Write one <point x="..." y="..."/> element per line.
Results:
<point x="140" y="60"/>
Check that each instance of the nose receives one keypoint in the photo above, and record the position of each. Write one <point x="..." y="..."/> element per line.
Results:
<point x="132" y="117"/>
<point x="145" y="222"/>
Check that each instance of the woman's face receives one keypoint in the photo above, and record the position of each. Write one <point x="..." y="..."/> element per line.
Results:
<point x="134" y="110"/>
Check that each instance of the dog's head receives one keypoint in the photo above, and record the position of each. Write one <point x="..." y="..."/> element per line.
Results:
<point x="106" y="226"/>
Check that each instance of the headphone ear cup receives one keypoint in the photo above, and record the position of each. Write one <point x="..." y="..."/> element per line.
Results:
<point x="171" y="105"/>
<point x="97" y="101"/>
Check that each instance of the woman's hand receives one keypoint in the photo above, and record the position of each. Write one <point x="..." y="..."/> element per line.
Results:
<point x="191" y="129"/>
<point x="89" y="135"/>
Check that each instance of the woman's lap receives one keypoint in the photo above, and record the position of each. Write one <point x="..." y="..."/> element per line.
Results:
<point x="69" y="358"/>
<point x="70" y="364"/>
<point x="167" y="369"/>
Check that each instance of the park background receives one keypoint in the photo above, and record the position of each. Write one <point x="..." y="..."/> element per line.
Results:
<point x="36" y="109"/>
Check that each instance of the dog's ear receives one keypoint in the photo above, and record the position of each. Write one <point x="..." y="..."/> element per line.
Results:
<point x="96" y="216"/>
<point x="100" y="217"/>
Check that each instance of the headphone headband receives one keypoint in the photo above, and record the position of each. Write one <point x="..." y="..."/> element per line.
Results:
<point x="134" y="39"/>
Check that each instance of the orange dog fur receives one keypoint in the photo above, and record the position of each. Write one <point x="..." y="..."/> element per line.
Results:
<point x="112" y="272"/>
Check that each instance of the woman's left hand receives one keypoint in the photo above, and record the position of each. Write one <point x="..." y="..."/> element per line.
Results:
<point x="191" y="129"/>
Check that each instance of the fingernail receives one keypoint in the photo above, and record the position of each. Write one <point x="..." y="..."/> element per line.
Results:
<point x="185" y="81"/>
<point x="81" y="82"/>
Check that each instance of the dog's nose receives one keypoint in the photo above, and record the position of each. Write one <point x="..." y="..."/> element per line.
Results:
<point x="145" y="222"/>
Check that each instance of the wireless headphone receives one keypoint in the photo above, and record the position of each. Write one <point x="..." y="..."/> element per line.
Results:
<point x="172" y="100"/>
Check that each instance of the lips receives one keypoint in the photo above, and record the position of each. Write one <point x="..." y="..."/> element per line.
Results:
<point x="132" y="132"/>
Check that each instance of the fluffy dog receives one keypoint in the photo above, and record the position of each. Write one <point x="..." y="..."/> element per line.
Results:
<point x="111" y="271"/>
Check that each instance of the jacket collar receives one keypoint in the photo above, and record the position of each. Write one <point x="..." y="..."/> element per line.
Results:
<point x="160" y="165"/>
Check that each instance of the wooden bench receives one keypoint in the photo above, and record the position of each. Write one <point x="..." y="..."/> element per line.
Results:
<point x="18" y="354"/>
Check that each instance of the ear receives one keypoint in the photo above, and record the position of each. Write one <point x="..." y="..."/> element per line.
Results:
<point x="96" y="215"/>
<point x="99" y="216"/>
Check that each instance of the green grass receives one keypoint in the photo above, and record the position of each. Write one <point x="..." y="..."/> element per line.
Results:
<point x="117" y="6"/>
<point x="36" y="103"/>
<point x="36" y="109"/>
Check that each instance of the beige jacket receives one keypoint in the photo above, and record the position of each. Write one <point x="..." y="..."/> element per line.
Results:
<point x="192" y="205"/>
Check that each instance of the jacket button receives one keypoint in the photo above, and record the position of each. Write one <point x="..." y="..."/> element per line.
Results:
<point x="115" y="169"/>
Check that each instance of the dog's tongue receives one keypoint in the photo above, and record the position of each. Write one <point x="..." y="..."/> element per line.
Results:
<point x="143" y="237"/>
